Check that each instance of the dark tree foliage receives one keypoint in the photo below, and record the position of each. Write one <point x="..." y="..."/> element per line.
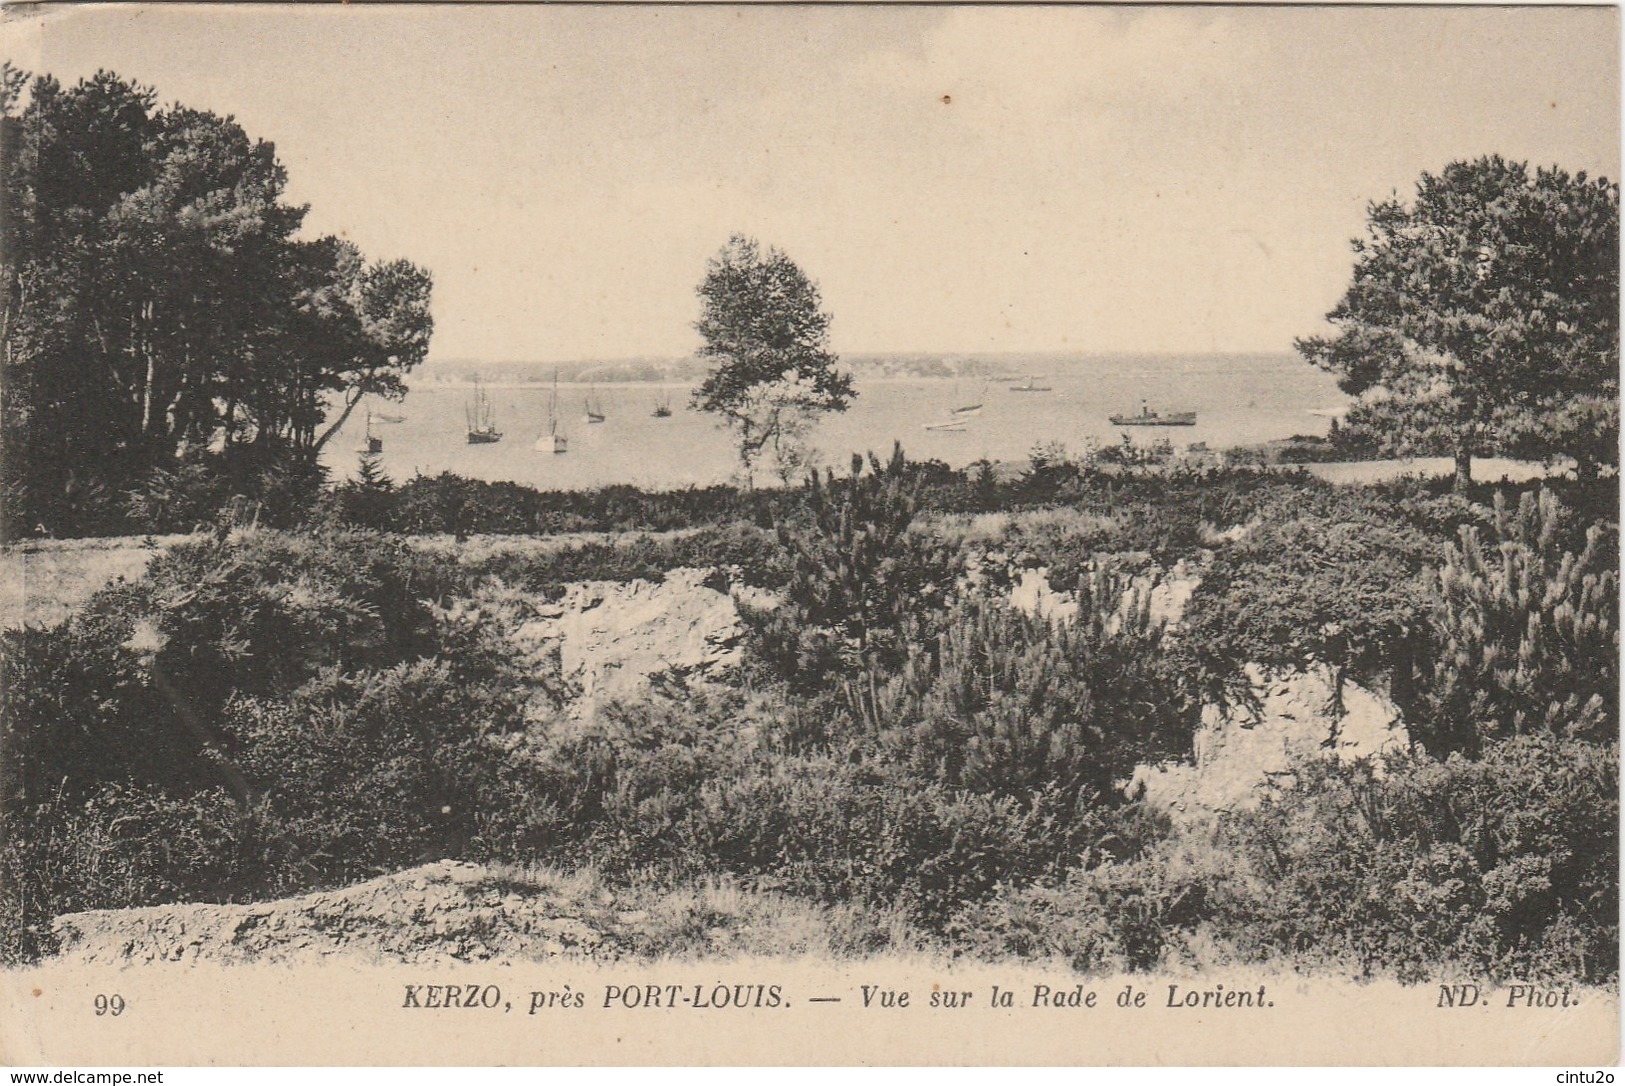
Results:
<point x="767" y="335"/>
<point x="158" y="312"/>
<point x="1483" y="318"/>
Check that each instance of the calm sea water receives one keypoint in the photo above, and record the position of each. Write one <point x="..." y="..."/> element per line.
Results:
<point x="1238" y="400"/>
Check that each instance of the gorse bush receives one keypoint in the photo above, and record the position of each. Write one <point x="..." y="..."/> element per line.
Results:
<point x="125" y="845"/>
<point x="80" y="711"/>
<point x="263" y="614"/>
<point x="267" y="713"/>
<point x="1527" y="632"/>
<point x="1010" y="704"/>
<point x="1003" y="704"/>
<point x="451" y="504"/>
<point x="1503" y="868"/>
<point x="679" y="790"/>
<point x="861" y="581"/>
<point x="281" y="679"/>
<point x="740" y="553"/>
<point x="1126" y="912"/>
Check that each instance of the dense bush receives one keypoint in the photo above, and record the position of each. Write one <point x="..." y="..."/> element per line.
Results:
<point x="268" y="713"/>
<point x="263" y="613"/>
<point x="689" y="789"/>
<point x="1503" y="868"/>
<point x="79" y="710"/>
<point x="1342" y="586"/>
<point x="1161" y="510"/>
<point x="1128" y="911"/>
<point x="740" y="553"/>
<point x="1506" y="866"/>
<point x="124" y="845"/>
<point x="278" y="678"/>
<point x="451" y="504"/>
<point x="1527" y="631"/>
<point x="862" y="581"/>
<point x="372" y="771"/>
<point x="1010" y="704"/>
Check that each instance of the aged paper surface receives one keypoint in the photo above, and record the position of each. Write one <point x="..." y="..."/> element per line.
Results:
<point x="336" y="1014"/>
<point x="743" y="1010"/>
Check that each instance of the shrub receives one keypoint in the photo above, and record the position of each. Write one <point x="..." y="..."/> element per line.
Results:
<point x="452" y="504"/>
<point x="1527" y="632"/>
<point x="357" y="774"/>
<point x="1119" y="915"/>
<point x="1009" y="704"/>
<point x="1341" y="586"/>
<point x="1506" y="867"/>
<point x="225" y="673"/>
<point x="263" y="614"/>
<point x="181" y="498"/>
<point x="861" y="581"/>
<point x="683" y="790"/>
<point x="122" y="846"/>
<point x="741" y="552"/>
<point x="79" y="710"/>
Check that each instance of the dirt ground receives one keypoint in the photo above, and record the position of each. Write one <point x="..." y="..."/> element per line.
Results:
<point x="456" y="911"/>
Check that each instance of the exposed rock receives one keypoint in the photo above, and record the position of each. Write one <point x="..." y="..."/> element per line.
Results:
<point x="1243" y="752"/>
<point x="613" y="637"/>
<point x="1170" y="593"/>
<point x="1033" y="595"/>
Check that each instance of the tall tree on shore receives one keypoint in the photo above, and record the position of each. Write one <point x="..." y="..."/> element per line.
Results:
<point x="765" y="330"/>
<point x="1484" y="318"/>
<point x="155" y="303"/>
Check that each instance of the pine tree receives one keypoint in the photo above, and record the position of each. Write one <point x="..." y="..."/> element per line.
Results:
<point x="1527" y="631"/>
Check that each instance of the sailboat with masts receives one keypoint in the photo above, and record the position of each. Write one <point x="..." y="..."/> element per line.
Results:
<point x="481" y="419"/>
<point x="375" y="444"/>
<point x="971" y="410"/>
<point x="595" y="406"/>
<point x="555" y="438"/>
<point x="663" y="405"/>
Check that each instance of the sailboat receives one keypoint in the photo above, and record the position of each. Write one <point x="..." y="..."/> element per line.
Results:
<point x="970" y="410"/>
<point x="595" y="408"/>
<point x="663" y="405"/>
<point x="481" y="420"/>
<point x="554" y="439"/>
<point x="374" y="443"/>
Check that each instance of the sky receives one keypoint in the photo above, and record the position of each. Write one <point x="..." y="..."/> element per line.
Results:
<point x="955" y="179"/>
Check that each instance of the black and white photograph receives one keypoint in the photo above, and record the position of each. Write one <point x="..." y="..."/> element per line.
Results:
<point x="809" y="534"/>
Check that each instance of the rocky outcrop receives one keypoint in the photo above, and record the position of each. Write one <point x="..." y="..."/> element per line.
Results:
<point x="613" y="638"/>
<point x="1242" y="752"/>
<point x="1170" y="593"/>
